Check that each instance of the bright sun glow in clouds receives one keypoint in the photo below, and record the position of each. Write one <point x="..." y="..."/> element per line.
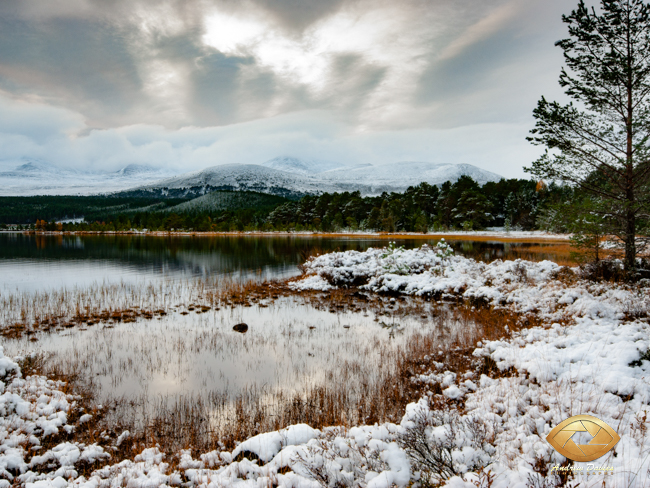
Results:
<point x="232" y="35"/>
<point x="307" y="59"/>
<point x="300" y="59"/>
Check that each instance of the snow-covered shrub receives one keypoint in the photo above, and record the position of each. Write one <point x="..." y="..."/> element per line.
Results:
<point x="336" y="460"/>
<point x="8" y="369"/>
<point x="390" y="261"/>
<point x="442" y="443"/>
<point x="443" y="250"/>
<point x="604" y="269"/>
<point x="520" y="272"/>
<point x="354" y="268"/>
<point x="344" y="271"/>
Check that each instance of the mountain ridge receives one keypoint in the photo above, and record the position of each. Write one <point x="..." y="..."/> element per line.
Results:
<point x="29" y="176"/>
<point x="369" y="180"/>
<point x="284" y="176"/>
<point x="308" y="166"/>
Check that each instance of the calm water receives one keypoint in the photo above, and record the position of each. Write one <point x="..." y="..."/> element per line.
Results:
<point x="32" y="263"/>
<point x="288" y="343"/>
<point x="290" y="349"/>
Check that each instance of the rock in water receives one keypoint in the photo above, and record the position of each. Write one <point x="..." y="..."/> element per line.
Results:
<point x="240" y="328"/>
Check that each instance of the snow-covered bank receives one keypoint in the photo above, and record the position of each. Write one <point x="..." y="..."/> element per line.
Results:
<point x="482" y="427"/>
<point x="590" y="366"/>
<point x="34" y="410"/>
<point x="543" y="288"/>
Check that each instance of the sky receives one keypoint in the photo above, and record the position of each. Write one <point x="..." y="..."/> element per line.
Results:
<point x="184" y="85"/>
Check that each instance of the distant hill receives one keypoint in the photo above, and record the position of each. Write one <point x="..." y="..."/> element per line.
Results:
<point x="36" y="177"/>
<point x="237" y="177"/>
<point x="403" y="174"/>
<point x="267" y="178"/>
<point x="301" y="166"/>
<point x="226" y="200"/>
<point x="138" y="170"/>
<point x="285" y="176"/>
<point x="27" y="209"/>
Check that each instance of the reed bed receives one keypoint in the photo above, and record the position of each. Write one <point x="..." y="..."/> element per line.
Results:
<point x="366" y="381"/>
<point x="26" y="313"/>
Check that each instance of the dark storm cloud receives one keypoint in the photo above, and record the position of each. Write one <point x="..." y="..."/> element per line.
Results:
<point x="216" y="87"/>
<point x="181" y="47"/>
<point x="100" y="59"/>
<point x="500" y="75"/>
<point x="355" y="81"/>
<point x="74" y="61"/>
<point x="467" y="71"/>
<point x="93" y="56"/>
<point x="471" y="72"/>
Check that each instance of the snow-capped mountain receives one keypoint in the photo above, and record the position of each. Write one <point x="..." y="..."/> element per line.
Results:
<point x="31" y="168"/>
<point x="240" y="177"/>
<point x="301" y="166"/>
<point x="36" y="177"/>
<point x="409" y="173"/>
<point x="369" y="180"/>
<point x="34" y="166"/>
<point x="285" y="176"/>
<point x="139" y="169"/>
<point x="306" y="166"/>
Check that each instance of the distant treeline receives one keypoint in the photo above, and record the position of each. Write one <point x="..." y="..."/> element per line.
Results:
<point x="462" y="205"/>
<point x="27" y="210"/>
<point x="466" y="205"/>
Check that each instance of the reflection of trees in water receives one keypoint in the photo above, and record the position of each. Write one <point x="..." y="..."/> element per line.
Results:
<point x="206" y="254"/>
<point x="194" y="254"/>
<point x="491" y="250"/>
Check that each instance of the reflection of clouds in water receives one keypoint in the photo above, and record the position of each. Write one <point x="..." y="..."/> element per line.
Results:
<point x="199" y="354"/>
<point x="37" y="275"/>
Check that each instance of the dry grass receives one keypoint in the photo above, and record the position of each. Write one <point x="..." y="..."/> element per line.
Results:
<point x="50" y="311"/>
<point x="96" y="430"/>
<point x="369" y="235"/>
<point x="26" y="313"/>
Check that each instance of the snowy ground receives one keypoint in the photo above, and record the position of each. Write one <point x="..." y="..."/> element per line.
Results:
<point x="490" y="428"/>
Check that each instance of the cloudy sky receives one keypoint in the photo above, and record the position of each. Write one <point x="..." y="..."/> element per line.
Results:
<point x="187" y="84"/>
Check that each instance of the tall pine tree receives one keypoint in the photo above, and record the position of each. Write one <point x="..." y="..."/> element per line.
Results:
<point x="602" y="142"/>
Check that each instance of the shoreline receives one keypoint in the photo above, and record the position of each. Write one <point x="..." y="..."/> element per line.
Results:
<point x="483" y="236"/>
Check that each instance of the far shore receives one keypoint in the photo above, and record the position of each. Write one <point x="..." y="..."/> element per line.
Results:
<point x="488" y="235"/>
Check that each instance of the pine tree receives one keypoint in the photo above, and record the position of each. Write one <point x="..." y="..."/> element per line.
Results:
<point x="602" y="142"/>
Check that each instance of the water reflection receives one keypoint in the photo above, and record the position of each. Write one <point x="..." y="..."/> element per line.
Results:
<point x="291" y="350"/>
<point x="36" y="262"/>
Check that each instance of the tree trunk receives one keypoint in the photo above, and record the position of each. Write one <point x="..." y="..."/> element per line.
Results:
<point x="630" y="215"/>
<point x="630" y="245"/>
